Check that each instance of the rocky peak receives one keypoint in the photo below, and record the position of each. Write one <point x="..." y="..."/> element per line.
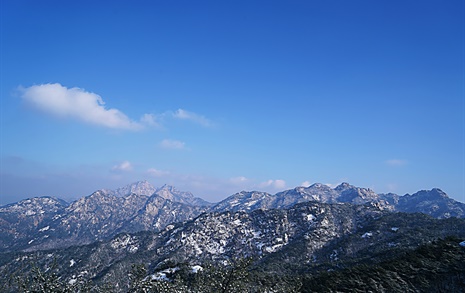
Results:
<point x="139" y="188"/>
<point x="45" y="202"/>
<point x="318" y="186"/>
<point x="434" y="202"/>
<point x="356" y="195"/>
<point x="315" y="192"/>
<point x="171" y="193"/>
<point x="438" y="193"/>
<point x="433" y="194"/>
<point x="343" y="186"/>
<point x="96" y="198"/>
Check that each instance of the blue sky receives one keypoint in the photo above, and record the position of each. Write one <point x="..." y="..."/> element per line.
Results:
<point x="215" y="97"/>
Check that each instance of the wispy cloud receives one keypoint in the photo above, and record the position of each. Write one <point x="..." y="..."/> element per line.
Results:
<point x="124" y="166"/>
<point x="276" y="184"/>
<point x="151" y="120"/>
<point x="194" y="117"/>
<point x="396" y="162"/>
<point x="306" y="183"/>
<point x="172" y="144"/>
<point x="157" y="173"/>
<point x="239" y="180"/>
<point x="76" y="103"/>
<point x="332" y="185"/>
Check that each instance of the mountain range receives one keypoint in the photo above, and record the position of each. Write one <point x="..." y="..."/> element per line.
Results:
<point x="47" y="222"/>
<point x="305" y="229"/>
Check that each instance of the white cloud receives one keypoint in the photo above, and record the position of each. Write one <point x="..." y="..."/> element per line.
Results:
<point x="124" y="166"/>
<point x="238" y="180"/>
<point x="276" y="184"/>
<point x="172" y="144"/>
<point x="76" y="103"/>
<point x="150" y="120"/>
<point x="306" y="183"/>
<point x="396" y="162"/>
<point x="186" y="115"/>
<point x="157" y="173"/>
<point x="79" y="104"/>
<point x="279" y="184"/>
<point x="332" y="185"/>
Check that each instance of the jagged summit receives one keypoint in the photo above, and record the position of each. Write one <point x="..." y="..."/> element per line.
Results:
<point x="140" y="206"/>
<point x="319" y="185"/>
<point x="35" y="205"/>
<point x="171" y="193"/>
<point x="343" y="186"/>
<point x="433" y="202"/>
<point x="170" y="189"/>
<point x="167" y="187"/>
<point x="139" y="188"/>
<point x="432" y="194"/>
<point x="165" y="191"/>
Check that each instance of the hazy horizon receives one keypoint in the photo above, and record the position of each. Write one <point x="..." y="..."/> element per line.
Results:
<point x="215" y="199"/>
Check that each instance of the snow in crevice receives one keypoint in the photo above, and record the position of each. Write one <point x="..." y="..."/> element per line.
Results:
<point x="162" y="276"/>
<point x="30" y="213"/>
<point x="44" y="229"/>
<point x="251" y="203"/>
<point x="237" y="222"/>
<point x="125" y="242"/>
<point x="308" y="217"/>
<point x="196" y="269"/>
<point x="367" y="235"/>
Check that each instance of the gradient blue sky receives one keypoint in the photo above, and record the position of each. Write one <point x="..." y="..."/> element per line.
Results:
<point x="219" y="96"/>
